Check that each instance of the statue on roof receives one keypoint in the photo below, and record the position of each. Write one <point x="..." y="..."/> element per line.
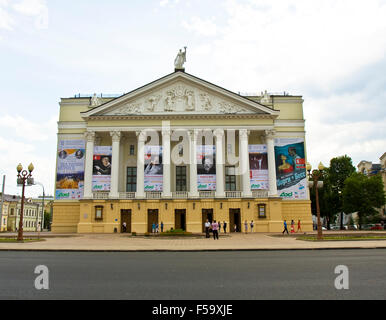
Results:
<point x="95" y="101"/>
<point x="180" y="60"/>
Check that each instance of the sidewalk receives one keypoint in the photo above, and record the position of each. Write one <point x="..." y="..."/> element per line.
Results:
<point x="239" y="241"/>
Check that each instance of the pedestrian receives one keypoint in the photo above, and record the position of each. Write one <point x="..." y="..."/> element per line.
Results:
<point x="285" y="227"/>
<point x="252" y="225"/>
<point x="153" y="228"/>
<point x="157" y="228"/>
<point x="215" y="230"/>
<point x="292" y="226"/>
<point x="235" y="228"/>
<point x="219" y="226"/>
<point x="207" y="226"/>
<point x="162" y="226"/>
<point x="299" y="226"/>
<point x="124" y="227"/>
<point x="246" y="226"/>
<point x="224" y="225"/>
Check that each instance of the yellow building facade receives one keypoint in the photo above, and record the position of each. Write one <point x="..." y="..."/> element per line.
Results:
<point x="179" y="151"/>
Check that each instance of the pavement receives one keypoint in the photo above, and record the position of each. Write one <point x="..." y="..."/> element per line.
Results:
<point x="228" y="242"/>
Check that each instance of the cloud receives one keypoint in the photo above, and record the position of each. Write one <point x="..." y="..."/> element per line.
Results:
<point x="6" y="20"/>
<point x="201" y="27"/>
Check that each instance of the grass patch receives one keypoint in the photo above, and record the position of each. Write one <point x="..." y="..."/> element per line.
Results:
<point x="13" y="240"/>
<point x="342" y="237"/>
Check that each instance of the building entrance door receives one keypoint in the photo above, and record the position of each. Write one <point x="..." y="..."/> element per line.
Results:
<point x="234" y="219"/>
<point x="126" y="217"/>
<point x="207" y="214"/>
<point x="152" y="217"/>
<point x="180" y="219"/>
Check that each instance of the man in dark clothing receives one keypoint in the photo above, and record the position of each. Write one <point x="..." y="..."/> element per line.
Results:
<point x="285" y="227"/>
<point x="225" y="227"/>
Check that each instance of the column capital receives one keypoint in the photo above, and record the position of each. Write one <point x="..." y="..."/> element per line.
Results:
<point x="115" y="135"/>
<point x="270" y="134"/>
<point x="218" y="133"/>
<point x="142" y="135"/>
<point x="244" y="133"/>
<point x="193" y="134"/>
<point x="90" y="136"/>
<point x="166" y="132"/>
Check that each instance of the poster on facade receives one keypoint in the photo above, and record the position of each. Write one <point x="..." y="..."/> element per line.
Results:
<point x="258" y="166"/>
<point x="206" y="167"/>
<point x="101" y="168"/>
<point x="70" y="170"/>
<point x="291" y="174"/>
<point x="153" y="176"/>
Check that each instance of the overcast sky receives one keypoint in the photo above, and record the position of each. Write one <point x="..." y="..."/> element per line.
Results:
<point x="332" y="52"/>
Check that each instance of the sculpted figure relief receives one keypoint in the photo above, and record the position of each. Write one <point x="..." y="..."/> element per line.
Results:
<point x="206" y="102"/>
<point x="152" y="102"/>
<point x="190" y="101"/>
<point x="169" y="101"/>
<point x="128" y="109"/>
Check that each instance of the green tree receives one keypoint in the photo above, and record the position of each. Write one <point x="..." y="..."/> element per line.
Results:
<point x="340" y="169"/>
<point x="363" y="194"/>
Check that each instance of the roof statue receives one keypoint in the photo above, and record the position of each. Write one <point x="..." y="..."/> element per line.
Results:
<point x="180" y="60"/>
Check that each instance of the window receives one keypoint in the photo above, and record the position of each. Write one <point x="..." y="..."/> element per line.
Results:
<point x="131" y="179"/>
<point x="181" y="178"/>
<point x="98" y="213"/>
<point x="132" y="149"/>
<point x="230" y="179"/>
<point x="261" y="212"/>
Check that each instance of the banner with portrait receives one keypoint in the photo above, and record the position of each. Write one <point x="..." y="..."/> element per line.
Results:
<point x="70" y="170"/>
<point x="291" y="174"/>
<point x="258" y="166"/>
<point x="206" y="167"/>
<point x="153" y="176"/>
<point x="101" y="168"/>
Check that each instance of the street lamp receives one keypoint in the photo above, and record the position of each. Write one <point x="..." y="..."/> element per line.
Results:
<point x="315" y="175"/>
<point x="42" y="222"/>
<point x="22" y="177"/>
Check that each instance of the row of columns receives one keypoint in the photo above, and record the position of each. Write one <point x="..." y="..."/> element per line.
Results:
<point x="193" y="192"/>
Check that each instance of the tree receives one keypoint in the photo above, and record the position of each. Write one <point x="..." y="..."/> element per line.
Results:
<point x="363" y="194"/>
<point x="340" y="169"/>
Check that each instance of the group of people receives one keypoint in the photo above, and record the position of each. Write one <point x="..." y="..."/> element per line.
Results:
<point x="215" y="227"/>
<point x="292" y="227"/>
<point x="155" y="227"/>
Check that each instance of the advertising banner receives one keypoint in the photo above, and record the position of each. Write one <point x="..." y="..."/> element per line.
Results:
<point x="70" y="170"/>
<point x="258" y="166"/>
<point x="153" y="177"/>
<point x="291" y="174"/>
<point x="101" y="168"/>
<point x="206" y="167"/>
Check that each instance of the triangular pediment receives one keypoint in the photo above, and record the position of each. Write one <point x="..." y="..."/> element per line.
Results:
<point x="180" y="94"/>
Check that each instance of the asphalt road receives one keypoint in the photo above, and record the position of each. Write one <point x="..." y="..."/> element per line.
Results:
<point x="195" y="275"/>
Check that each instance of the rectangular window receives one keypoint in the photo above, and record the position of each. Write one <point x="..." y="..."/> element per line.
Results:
<point x="181" y="178"/>
<point x="98" y="213"/>
<point x="230" y="179"/>
<point x="261" y="208"/>
<point x="131" y="179"/>
<point x="132" y="149"/>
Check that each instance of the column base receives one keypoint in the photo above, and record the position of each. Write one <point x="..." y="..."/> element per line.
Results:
<point x="193" y="195"/>
<point x="139" y="195"/>
<point x="220" y="194"/>
<point x="247" y="194"/>
<point x="114" y="196"/>
<point x="166" y="195"/>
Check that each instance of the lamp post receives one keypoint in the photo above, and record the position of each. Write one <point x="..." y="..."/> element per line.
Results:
<point x="42" y="222"/>
<point x="22" y="177"/>
<point x="315" y="175"/>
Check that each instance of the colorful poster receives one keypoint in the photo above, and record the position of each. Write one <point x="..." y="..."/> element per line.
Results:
<point x="258" y="166"/>
<point x="101" y="168"/>
<point x="291" y="174"/>
<point x="153" y="177"/>
<point x="70" y="170"/>
<point x="206" y="167"/>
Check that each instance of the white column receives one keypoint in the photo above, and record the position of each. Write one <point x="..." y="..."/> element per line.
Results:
<point x="269" y="136"/>
<point x="219" y="133"/>
<point x="115" y="138"/>
<point x="166" y="163"/>
<point x="87" y="191"/>
<point x="193" y="193"/>
<point x="141" y="136"/>
<point x="244" y="163"/>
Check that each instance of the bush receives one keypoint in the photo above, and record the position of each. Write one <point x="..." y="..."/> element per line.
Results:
<point x="133" y="234"/>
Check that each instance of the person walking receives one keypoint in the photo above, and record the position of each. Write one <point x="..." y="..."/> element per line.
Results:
<point x="235" y="228"/>
<point x="219" y="226"/>
<point x="157" y="228"/>
<point x="224" y="225"/>
<point x="162" y="226"/>
<point x="215" y="230"/>
<point x="153" y="228"/>
<point x="285" y="227"/>
<point x="124" y="228"/>
<point x="292" y="226"/>
<point x="299" y="226"/>
<point x="252" y="225"/>
<point x="246" y="226"/>
<point x="207" y="226"/>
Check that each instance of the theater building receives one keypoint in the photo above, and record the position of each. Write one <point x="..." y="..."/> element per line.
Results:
<point x="180" y="150"/>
